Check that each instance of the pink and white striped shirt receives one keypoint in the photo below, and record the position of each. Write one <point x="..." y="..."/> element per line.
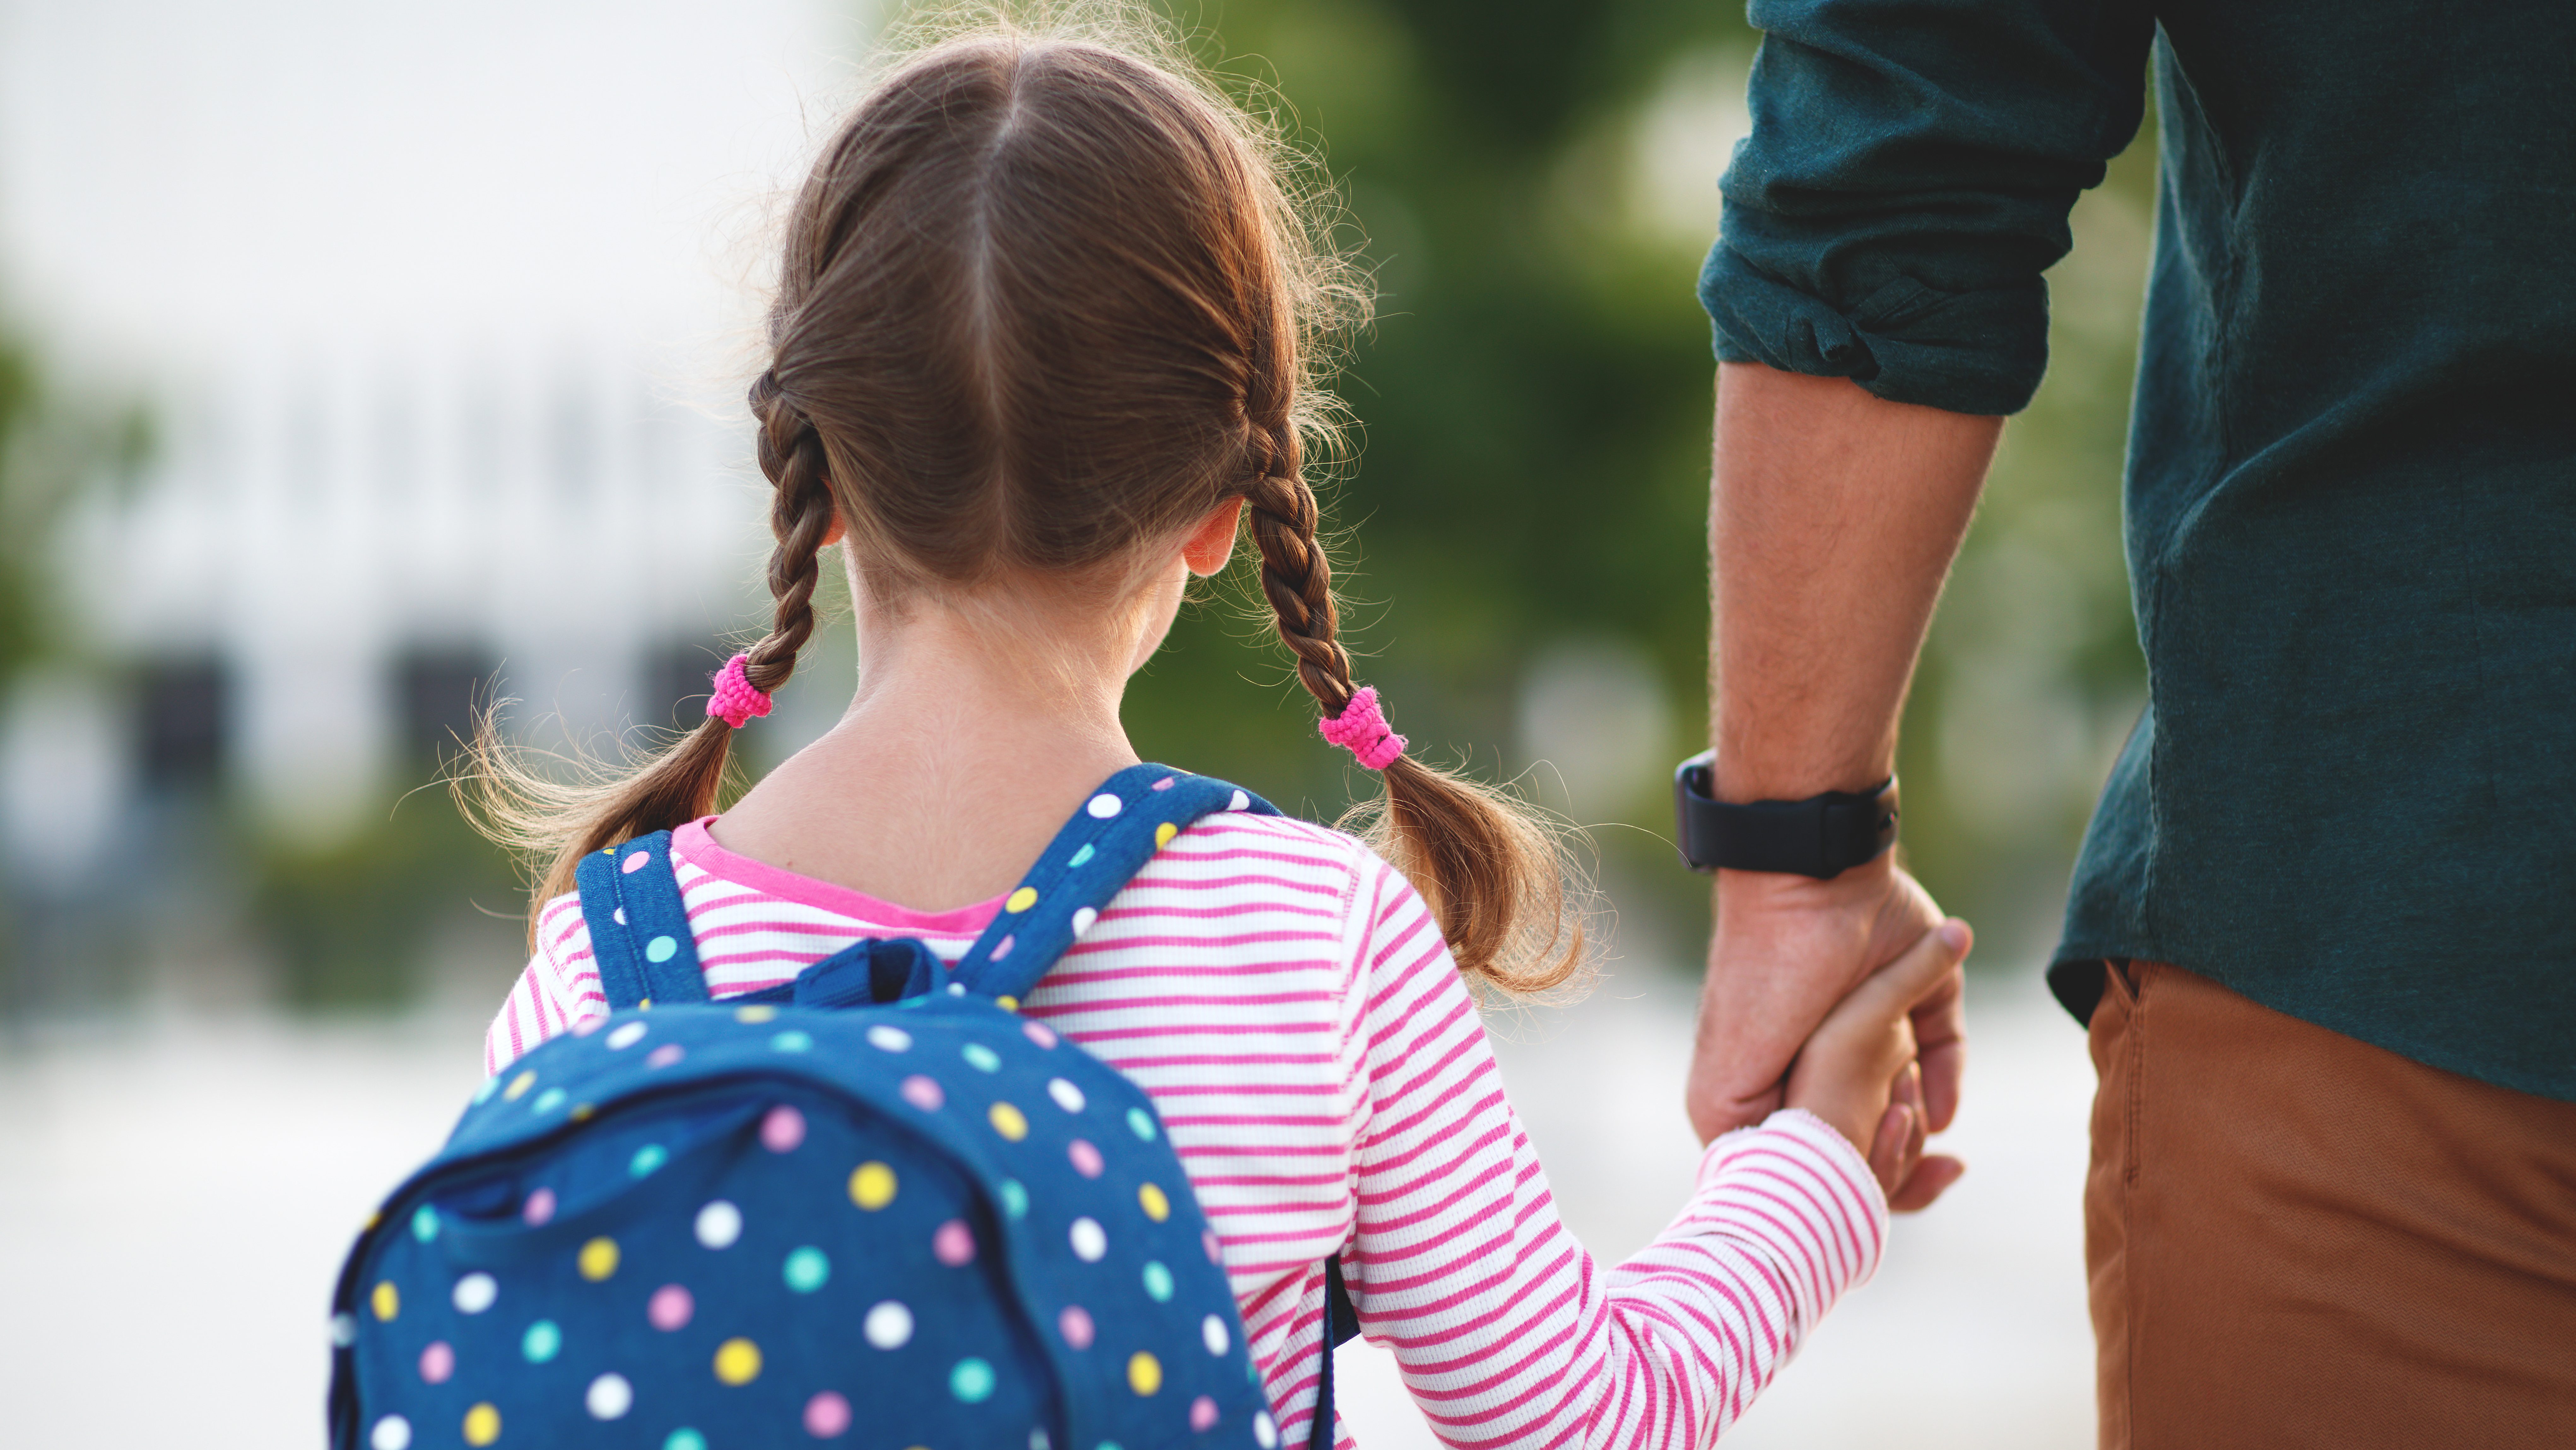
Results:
<point x="1285" y="998"/>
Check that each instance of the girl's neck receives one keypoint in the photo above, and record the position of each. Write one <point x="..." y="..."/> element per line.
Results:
<point x="972" y="736"/>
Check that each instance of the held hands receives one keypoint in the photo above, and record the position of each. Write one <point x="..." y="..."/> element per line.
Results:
<point x="1790" y="952"/>
<point x="1860" y="1071"/>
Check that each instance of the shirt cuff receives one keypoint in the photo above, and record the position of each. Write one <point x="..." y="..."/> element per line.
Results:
<point x="1977" y="352"/>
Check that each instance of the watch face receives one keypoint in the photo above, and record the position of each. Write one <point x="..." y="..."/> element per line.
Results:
<point x="1694" y="832"/>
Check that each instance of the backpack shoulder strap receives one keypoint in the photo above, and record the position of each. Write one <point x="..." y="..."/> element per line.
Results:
<point x="1133" y="814"/>
<point x="1341" y="1325"/>
<point x="639" y="928"/>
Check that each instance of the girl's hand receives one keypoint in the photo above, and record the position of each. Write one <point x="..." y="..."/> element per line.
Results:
<point x="1858" y="1070"/>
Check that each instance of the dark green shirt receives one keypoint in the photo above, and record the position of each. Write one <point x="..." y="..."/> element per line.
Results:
<point x="2352" y="464"/>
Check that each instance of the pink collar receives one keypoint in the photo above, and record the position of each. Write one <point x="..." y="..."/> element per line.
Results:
<point x="695" y="845"/>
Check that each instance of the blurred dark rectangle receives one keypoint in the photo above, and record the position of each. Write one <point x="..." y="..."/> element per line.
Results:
<point x="183" y="703"/>
<point x="440" y="687"/>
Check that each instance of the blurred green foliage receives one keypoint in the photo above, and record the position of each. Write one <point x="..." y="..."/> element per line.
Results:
<point x="355" y="923"/>
<point x="55" y="439"/>
<point x="1534" y="402"/>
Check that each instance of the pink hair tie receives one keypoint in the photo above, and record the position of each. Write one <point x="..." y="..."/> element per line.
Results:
<point x="735" y="701"/>
<point x="1362" y="730"/>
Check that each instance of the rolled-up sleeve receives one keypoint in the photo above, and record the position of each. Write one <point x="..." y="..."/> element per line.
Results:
<point x="1908" y="179"/>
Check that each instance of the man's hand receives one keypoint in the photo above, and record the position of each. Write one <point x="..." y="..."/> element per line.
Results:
<point x="1786" y="950"/>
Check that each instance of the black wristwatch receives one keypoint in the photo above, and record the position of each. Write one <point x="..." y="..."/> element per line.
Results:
<point x="1822" y="836"/>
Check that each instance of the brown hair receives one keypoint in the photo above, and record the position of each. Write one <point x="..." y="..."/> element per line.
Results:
<point x="1043" y="304"/>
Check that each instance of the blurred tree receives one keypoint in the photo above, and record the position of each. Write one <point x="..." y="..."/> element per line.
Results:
<point x="53" y="442"/>
<point x="18" y="411"/>
<point x="1533" y="399"/>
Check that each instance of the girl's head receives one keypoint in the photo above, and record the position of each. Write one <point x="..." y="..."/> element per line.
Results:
<point x="1043" y="308"/>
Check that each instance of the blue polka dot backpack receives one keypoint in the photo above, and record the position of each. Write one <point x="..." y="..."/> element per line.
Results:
<point x="871" y="1207"/>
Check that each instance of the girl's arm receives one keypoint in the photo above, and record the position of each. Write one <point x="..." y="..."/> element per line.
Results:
<point x="1507" y="1332"/>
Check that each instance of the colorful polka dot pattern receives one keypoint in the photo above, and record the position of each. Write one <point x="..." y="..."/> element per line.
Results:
<point x="689" y="1264"/>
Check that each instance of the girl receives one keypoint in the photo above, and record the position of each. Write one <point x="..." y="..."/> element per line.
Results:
<point x="1040" y="351"/>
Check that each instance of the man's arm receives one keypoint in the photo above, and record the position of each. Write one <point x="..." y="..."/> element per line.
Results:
<point x="1833" y="518"/>
<point x="1877" y="302"/>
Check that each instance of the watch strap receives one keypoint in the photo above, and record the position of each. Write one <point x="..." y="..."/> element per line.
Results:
<point x="1821" y="836"/>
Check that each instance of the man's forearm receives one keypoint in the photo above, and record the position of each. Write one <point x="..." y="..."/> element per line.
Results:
<point x="1833" y="518"/>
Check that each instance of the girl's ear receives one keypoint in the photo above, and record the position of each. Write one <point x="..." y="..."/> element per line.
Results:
<point x="833" y="534"/>
<point x="1212" y="542"/>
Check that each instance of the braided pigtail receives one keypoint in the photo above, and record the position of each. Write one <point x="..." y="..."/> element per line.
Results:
<point x="558" y="820"/>
<point x="800" y="518"/>
<point x="1296" y="576"/>
<point x="1493" y="873"/>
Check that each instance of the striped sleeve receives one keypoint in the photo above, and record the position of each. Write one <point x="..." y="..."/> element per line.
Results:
<point x="1507" y="1332"/>
<point x="559" y="988"/>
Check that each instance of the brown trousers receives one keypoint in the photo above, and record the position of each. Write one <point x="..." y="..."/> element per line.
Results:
<point x="2297" y="1239"/>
